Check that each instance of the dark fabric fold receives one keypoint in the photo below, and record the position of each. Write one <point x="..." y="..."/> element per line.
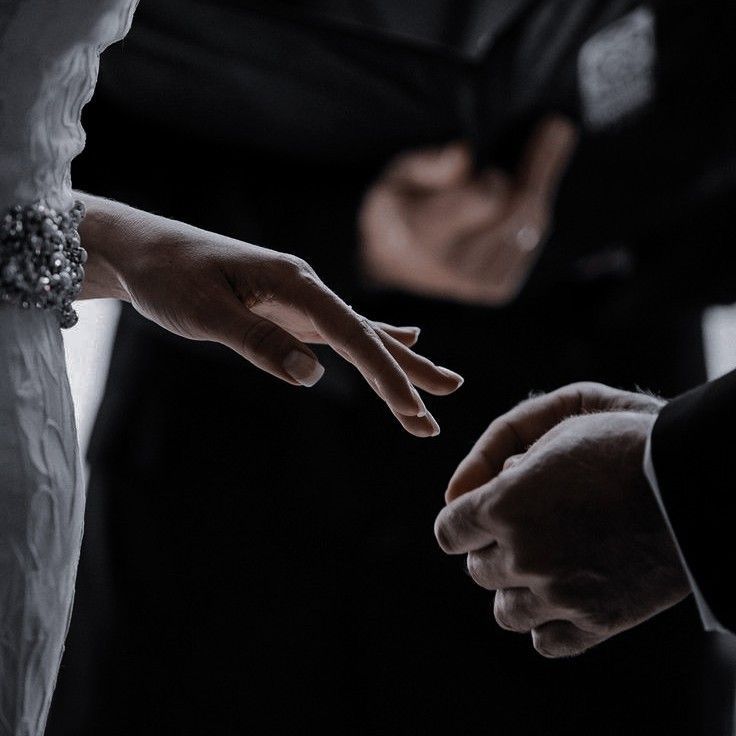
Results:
<point x="693" y="445"/>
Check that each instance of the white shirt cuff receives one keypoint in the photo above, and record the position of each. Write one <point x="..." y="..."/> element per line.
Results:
<point x="710" y="622"/>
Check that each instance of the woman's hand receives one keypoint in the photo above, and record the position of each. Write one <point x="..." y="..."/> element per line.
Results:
<point x="262" y="304"/>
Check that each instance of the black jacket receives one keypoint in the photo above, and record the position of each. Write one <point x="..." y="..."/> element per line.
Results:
<point x="693" y="452"/>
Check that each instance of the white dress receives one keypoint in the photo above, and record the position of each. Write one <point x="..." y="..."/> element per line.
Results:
<point x="49" y="53"/>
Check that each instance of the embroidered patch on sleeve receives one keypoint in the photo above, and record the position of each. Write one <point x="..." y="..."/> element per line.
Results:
<point x="616" y="69"/>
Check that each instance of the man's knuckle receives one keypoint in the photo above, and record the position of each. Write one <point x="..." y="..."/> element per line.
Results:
<point x="474" y="568"/>
<point x="547" y="647"/>
<point x="444" y="530"/>
<point x="565" y="648"/>
<point x="480" y="570"/>
<point x="504" y="619"/>
<point x="510" y="613"/>
<point x="555" y="643"/>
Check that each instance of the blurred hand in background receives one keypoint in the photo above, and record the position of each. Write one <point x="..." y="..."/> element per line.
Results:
<point x="434" y="226"/>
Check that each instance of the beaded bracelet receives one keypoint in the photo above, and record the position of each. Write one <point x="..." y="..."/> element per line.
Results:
<point x="42" y="259"/>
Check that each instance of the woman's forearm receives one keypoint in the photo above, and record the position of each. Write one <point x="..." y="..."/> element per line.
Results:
<point x="121" y="240"/>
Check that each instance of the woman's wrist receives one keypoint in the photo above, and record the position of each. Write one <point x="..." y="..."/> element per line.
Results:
<point x="120" y="240"/>
<point x="104" y="242"/>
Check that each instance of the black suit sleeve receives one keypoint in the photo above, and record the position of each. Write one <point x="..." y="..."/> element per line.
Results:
<point x="694" y="457"/>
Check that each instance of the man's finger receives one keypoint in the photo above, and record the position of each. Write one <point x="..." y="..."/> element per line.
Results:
<point x="546" y="158"/>
<point x="520" y="610"/>
<point x="467" y="524"/>
<point x="485" y="460"/>
<point x="498" y="262"/>
<point x="502" y="257"/>
<point x="438" y="168"/>
<point x="513" y="433"/>
<point x="489" y="568"/>
<point x="444" y="222"/>
<point x="556" y="639"/>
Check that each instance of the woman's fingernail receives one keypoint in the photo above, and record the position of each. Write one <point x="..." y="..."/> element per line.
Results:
<point x="452" y="375"/>
<point x="421" y="409"/>
<point x="435" y="426"/>
<point x="303" y="368"/>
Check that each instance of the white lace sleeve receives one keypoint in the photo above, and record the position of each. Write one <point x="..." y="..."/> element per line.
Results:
<point x="48" y="67"/>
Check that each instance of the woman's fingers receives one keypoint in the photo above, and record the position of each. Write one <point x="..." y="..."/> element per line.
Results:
<point x="274" y="350"/>
<point x="422" y="372"/>
<point x="299" y="307"/>
<point x="355" y="338"/>
<point x="263" y="343"/>
<point x="405" y="335"/>
<point x="418" y="426"/>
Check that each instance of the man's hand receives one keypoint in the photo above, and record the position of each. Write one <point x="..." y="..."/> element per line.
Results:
<point x="514" y="432"/>
<point x="433" y="226"/>
<point x="562" y="522"/>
